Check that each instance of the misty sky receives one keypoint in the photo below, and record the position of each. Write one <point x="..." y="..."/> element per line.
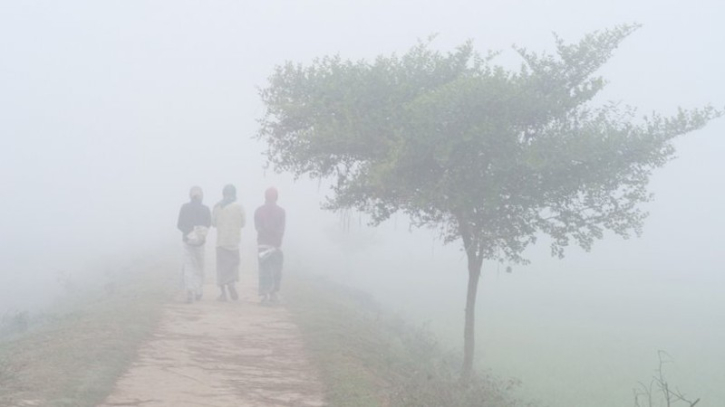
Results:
<point x="109" y="111"/>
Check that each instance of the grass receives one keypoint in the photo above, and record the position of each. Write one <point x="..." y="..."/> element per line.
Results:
<point x="74" y="357"/>
<point x="368" y="358"/>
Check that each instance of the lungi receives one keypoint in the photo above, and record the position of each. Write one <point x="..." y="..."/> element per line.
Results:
<point x="227" y="266"/>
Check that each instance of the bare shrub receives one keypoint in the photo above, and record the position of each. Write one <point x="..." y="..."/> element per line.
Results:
<point x="659" y="392"/>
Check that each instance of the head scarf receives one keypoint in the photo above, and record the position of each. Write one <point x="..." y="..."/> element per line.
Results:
<point x="271" y="195"/>
<point x="230" y="195"/>
<point x="195" y="193"/>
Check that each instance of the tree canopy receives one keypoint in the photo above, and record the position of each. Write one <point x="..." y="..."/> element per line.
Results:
<point x="491" y="156"/>
<point x="483" y="153"/>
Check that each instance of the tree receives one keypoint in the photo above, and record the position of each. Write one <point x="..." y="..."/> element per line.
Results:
<point x="489" y="156"/>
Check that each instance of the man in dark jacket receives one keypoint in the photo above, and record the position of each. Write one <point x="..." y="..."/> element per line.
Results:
<point x="269" y="220"/>
<point x="194" y="221"/>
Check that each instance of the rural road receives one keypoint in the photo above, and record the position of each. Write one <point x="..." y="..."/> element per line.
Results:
<point x="216" y="354"/>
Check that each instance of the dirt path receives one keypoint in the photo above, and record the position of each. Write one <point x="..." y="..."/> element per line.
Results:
<point x="218" y="354"/>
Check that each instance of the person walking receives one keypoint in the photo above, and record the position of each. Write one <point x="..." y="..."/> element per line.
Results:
<point x="269" y="221"/>
<point x="229" y="219"/>
<point x="194" y="221"/>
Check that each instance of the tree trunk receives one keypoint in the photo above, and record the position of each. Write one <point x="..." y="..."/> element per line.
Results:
<point x="469" y="332"/>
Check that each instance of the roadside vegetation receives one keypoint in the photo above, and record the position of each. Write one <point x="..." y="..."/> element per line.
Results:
<point x="370" y="358"/>
<point x="72" y="356"/>
<point x="366" y="357"/>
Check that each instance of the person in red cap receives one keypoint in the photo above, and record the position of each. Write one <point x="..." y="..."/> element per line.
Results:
<point x="269" y="220"/>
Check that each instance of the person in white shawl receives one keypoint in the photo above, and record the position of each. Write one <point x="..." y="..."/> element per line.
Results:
<point x="194" y="222"/>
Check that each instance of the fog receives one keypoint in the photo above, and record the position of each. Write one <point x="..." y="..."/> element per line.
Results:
<point x="110" y="111"/>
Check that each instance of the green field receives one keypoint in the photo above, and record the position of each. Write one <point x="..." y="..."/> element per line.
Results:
<point x="71" y="356"/>
<point x="556" y="345"/>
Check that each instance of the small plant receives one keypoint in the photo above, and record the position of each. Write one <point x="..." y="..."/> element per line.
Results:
<point x="659" y="392"/>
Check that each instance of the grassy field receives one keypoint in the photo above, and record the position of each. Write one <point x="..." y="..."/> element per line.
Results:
<point x="366" y="355"/>
<point x="72" y="356"/>
<point x="370" y="358"/>
<point x="573" y="338"/>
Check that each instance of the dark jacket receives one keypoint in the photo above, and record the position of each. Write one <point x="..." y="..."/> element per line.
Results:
<point x="193" y="213"/>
